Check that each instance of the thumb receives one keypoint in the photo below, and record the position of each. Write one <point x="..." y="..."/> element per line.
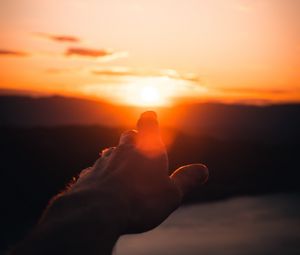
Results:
<point x="188" y="177"/>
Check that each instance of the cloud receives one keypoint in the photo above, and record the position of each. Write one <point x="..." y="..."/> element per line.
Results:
<point x="124" y="71"/>
<point x="102" y="54"/>
<point x="4" y="52"/>
<point x="117" y="71"/>
<point x="87" y="52"/>
<point x="59" y="38"/>
<point x="246" y="90"/>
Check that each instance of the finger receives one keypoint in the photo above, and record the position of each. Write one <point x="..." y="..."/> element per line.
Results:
<point x="189" y="177"/>
<point x="107" y="152"/>
<point x="128" y="138"/>
<point x="148" y="139"/>
<point x="148" y="124"/>
<point x="104" y="156"/>
<point x="84" y="173"/>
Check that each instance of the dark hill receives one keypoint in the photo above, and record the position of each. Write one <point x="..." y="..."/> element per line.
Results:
<point x="271" y="123"/>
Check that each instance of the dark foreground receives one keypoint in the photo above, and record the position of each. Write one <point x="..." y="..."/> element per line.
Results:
<point x="36" y="163"/>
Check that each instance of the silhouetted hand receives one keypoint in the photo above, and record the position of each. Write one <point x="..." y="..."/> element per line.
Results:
<point x="128" y="190"/>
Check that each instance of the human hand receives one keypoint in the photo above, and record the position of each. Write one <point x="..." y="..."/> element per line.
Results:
<point x="136" y="171"/>
<point x="127" y="190"/>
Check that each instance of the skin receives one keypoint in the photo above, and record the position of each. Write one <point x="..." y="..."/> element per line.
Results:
<point x="127" y="190"/>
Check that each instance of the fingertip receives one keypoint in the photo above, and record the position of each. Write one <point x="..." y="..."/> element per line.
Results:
<point x="201" y="171"/>
<point x="189" y="177"/>
<point x="128" y="137"/>
<point x="147" y="122"/>
<point x="149" y="115"/>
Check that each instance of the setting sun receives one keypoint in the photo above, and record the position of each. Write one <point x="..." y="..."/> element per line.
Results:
<point x="155" y="91"/>
<point x="148" y="92"/>
<point x="149" y="95"/>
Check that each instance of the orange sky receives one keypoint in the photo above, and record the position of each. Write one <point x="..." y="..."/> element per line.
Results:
<point x="122" y="51"/>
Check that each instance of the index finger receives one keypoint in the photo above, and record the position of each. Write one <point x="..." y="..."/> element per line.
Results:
<point x="149" y="139"/>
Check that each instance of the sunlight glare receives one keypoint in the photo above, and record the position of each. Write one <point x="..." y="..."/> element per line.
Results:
<point x="150" y="95"/>
<point x="146" y="91"/>
<point x="149" y="92"/>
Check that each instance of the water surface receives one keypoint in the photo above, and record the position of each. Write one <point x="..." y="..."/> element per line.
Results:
<point x="240" y="226"/>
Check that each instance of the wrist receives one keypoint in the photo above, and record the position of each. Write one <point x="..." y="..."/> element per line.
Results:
<point x="75" y="224"/>
<point x="89" y="209"/>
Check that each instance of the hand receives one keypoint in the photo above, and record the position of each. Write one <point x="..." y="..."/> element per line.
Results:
<point x="128" y="190"/>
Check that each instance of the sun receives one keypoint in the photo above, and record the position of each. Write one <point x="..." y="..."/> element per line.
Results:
<point x="150" y="95"/>
<point x="145" y="92"/>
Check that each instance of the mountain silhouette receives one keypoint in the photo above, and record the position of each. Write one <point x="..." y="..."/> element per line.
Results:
<point x="270" y="123"/>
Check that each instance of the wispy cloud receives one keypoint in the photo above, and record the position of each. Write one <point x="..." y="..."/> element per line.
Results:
<point x="102" y="54"/>
<point x="5" y="52"/>
<point x="87" y="52"/>
<point x="124" y="71"/>
<point x="115" y="72"/>
<point x="59" y="38"/>
<point x="255" y="90"/>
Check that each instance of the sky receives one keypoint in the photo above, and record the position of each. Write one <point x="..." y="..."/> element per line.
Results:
<point x="158" y="52"/>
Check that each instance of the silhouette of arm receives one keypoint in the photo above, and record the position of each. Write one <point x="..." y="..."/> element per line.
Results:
<point x="127" y="190"/>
